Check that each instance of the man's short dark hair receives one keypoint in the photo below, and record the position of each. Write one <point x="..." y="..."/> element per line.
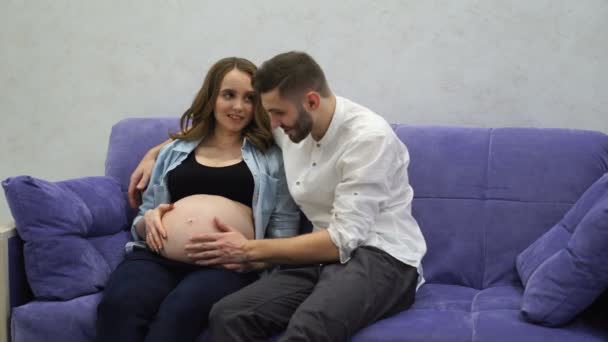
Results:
<point x="293" y="73"/>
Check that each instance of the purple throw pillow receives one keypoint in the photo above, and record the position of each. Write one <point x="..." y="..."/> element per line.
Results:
<point x="558" y="236"/>
<point x="74" y="232"/>
<point x="566" y="269"/>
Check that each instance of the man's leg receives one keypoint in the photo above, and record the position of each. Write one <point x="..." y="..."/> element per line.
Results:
<point x="131" y="298"/>
<point x="183" y="314"/>
<point x="263" y="308"/>
<point x="350" y="296"/>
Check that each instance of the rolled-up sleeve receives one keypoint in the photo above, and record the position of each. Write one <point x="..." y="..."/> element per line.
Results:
<point x="148" y="196"/>
<point x="365" y="168"/>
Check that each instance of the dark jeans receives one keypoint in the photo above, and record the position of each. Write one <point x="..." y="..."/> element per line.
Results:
<point x="317" y="303"/>
<point x="150" y="298"/>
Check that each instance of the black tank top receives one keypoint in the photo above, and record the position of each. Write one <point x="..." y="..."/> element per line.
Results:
<point x="234" y="182"/>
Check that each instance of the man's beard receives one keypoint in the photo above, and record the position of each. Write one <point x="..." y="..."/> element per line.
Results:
<point x="302" y="127"/>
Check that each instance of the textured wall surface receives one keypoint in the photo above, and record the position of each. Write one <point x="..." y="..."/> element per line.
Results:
<point x="69" y="69"/>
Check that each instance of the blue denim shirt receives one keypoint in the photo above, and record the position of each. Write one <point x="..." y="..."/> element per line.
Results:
<point x="274" y="212"/>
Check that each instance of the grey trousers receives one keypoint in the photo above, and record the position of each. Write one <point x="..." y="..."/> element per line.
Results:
<point x="317" y="303"/>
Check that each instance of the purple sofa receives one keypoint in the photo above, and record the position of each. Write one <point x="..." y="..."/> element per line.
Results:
<point x="482" y="196"/>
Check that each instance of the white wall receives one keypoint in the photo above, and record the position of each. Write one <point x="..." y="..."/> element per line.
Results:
<point x="70" y="69"/>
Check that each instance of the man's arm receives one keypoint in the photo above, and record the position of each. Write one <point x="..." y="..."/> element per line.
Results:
<point x="315" y="247"/>
<point x="141" y="176"/>
<point x="229" y="246"/>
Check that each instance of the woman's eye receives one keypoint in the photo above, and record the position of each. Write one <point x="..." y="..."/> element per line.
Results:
<point x="249" y="98"/>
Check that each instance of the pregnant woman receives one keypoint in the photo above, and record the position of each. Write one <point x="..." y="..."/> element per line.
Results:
<point x="222" y="164"/>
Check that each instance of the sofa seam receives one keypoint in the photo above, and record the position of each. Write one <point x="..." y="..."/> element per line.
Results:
<point x="485" y="217"/>
<point x="489" y="199"/>
<point x="474" y="316"/>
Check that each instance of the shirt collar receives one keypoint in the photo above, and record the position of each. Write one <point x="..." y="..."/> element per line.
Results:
<point x="188" y="146"/>
<point x="336" y="121"/>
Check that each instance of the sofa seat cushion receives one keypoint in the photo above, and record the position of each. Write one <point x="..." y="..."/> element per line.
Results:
<point x="74" y="232"/>
<point x="509" y="326"/>
<point x="456" y="313"/>
<point x="440" y="313"/>
<point x="417" y="325"/>
<point x="72" y="320"/>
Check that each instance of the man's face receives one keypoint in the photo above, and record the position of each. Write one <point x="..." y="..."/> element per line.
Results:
<point x="295" y="121"/>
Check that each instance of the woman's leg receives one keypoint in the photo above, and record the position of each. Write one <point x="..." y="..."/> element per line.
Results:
<point x="132" y="297"/>
<point x="183" y="314"/>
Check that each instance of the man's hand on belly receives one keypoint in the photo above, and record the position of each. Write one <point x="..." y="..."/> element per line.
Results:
<point x="228" y="246"/>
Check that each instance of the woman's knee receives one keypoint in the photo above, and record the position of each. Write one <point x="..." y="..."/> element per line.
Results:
<point x="199" y="292"/>
<point x="120" y="302"/>
<point x="181" y="305"/>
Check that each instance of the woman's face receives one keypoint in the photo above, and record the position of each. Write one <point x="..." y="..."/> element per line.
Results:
<point x="235" y="101"/>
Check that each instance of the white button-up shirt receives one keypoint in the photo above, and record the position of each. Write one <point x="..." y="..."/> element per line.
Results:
<point x="354" y="183"/>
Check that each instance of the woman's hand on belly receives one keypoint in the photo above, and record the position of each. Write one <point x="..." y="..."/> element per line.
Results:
<point x="194" y="215"/>
<point x="154" y="231"/>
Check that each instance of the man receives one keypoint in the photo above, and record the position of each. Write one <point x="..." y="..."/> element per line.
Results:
<point x="347" y="170"/>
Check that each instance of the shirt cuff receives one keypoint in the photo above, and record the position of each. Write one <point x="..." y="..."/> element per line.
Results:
<point x="345" y="245"/>
<point x="134" y="229"/>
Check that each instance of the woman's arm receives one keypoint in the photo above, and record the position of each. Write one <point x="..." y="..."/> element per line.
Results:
<point x="141" y="175"/>
<point x="148" y="198"/>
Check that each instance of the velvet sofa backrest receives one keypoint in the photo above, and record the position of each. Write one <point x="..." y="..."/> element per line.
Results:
<point x="130" y="139"/>
<point x="480" y="195"/>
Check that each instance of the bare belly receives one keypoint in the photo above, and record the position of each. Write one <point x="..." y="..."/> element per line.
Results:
<point x="194" y="215"/>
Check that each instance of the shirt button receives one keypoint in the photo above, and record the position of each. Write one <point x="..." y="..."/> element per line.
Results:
<point x="314" y="164"/>
<point x="297" y="183"/>
<point x="318" y="145"/>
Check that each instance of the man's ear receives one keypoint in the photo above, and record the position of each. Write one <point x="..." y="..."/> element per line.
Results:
<point x="312" y="101"/>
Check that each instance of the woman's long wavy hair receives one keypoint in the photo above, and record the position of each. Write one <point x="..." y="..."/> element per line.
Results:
<point x="199" y="121"/>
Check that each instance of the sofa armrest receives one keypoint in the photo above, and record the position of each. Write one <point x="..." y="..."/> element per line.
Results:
<point x="6" y="232"/>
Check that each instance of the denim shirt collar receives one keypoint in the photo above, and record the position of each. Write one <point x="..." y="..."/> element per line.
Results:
<point x="188" y="146"/>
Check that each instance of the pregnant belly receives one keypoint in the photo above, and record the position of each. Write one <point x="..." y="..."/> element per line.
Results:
<point x="194" y="215"/>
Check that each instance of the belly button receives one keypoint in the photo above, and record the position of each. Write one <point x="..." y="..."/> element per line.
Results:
<point x="190" y="221"/>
